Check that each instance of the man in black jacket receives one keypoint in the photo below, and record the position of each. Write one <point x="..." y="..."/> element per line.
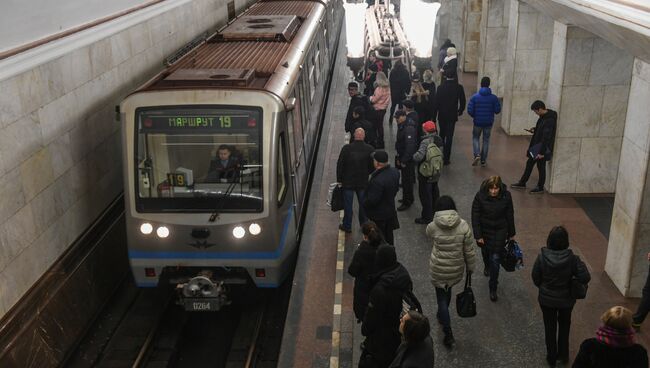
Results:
<point x="356" y="99"/>
<point x="406" y="143"/>
<point x="541" y="145"/>
<point x="352" y="170"/>
<point x="448" y="105"/>
<point x="382" y="319"/>
<point x="379" y="202"/>
<point x="359" y="121"/>
<point x="400" y="85"/>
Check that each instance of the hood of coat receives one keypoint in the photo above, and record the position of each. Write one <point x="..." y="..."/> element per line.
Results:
<point x="446" y="219"/>
<point x="557" y="258"/>
<point x="550" y="114"/>
<point x="485" y="91"/>
<point x="486" y="193"/>
<point x="397" y="278"/>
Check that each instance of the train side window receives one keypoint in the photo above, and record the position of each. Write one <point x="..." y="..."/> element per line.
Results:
<point x="312" y="86"/>
<point x="282" y="170"/>
<point x="317" y="62"/>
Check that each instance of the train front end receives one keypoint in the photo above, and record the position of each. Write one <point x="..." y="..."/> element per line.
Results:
<point x="206" y="184"/>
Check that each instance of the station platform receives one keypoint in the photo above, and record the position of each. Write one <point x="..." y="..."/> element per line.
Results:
<point x="321" y="330"/>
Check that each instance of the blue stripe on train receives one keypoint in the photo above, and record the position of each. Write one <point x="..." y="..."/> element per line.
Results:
<point x="138" y="254"/>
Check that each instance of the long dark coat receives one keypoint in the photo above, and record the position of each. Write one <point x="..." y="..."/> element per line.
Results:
<point x="493" y="218"/>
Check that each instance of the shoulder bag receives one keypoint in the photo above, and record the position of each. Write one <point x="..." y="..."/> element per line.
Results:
<point x="465" y="302"/>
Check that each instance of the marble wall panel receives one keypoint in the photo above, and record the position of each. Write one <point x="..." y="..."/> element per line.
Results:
<point x="12" y="198"/>
<point x="614" y="111"/>
<point x="544" y="34"/>
<point x="59" y="116"/>
<point x="532" y="60"/>
<point x="637" y="121"/>
<point x="619" y="249"/>
<point x="60" y="155"/>
<point x="630" y="184"/>
<point x="20" y="228"/>
<point x="577" y="33"/>
<point x="610" y="65"/>
<point x="580" y="111"/>
<point x="101" y="58"/>
<point x="11" y="108"/>
<point x="564" y="171"/>
<point x="578" y="60"/>
<point x="45" y="209"/>
<point x="527" y="30"/>
<point x="521" y="115"/>
<point x="36" y="173"/>
<point x="496" y="43"/>
<point x="598" y="167"/>
<point x="639" y="266"/>
<point x="496" y="9"/>
<point x="20" y="140"/>
<point x="641" y="70"/>
<point x="34" y="91"/>
<point x="644" y="212"/>
<point x="7" y="251"/>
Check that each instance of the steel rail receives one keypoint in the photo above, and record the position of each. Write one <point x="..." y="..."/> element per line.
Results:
<point x="250" y="357"/>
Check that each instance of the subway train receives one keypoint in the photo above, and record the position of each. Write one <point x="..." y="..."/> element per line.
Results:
<point x="218" y="150"/>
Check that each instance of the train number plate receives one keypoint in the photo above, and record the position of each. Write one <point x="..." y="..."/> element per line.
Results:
<point x="201" y="305"/>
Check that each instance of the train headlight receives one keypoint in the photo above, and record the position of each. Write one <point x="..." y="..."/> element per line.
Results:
<point x="254" y="228"/>
<point x="162" y="232"/>
<point x="146" y="228"/>
<point x="238" y="232"/>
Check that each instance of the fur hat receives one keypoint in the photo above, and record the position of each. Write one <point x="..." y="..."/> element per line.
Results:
<point x="451" y="51"/>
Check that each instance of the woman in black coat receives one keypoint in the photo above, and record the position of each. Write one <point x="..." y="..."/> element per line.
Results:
<point x="493" y="223"/>
<point x="416" y="349"/>
<point x="613" y="345"/>
<point x="362" y="266"/>
<point x="554" y="269"/>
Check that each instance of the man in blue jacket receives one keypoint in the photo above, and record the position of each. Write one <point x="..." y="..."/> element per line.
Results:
<point x="482" y="107"/>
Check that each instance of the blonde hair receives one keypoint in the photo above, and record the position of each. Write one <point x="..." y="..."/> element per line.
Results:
<point x="617" y="317"/>
<point x="418" y="91"/>
<point x="382" y="80"/>
<point x="493" y="182"/>
<point x="428" y="76"/>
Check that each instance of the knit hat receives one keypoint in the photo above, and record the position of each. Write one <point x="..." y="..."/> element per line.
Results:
<point x="485" y="82"/>
<point x="451" y="51"/>
<point x="429" y="126"/>
<point x="380" y="156"/>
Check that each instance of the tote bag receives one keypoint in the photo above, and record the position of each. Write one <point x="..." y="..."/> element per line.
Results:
<point x="465" y="302"/>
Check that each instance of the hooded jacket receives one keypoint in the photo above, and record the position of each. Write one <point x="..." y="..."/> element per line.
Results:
<point x="493" y="218"/>
<point x="381" y="321"/>
<point x="418" y="355"/>
<point x="545" y="133"/>
<point x="361" y="122"/>
<point x="358" y="100"/>
<point x="361" y="268"/>
<point x="552" y="274"/>
<point x="453" y="249"/>
<point x="400" y="83"/>
<point x="483" y="106"/>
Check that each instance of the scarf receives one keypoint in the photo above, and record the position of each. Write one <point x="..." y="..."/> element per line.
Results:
<point x="447" y="58"/>
<point x="614" y="337"/>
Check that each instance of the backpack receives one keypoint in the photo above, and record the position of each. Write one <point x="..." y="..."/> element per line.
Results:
<point x="432" y="164"/>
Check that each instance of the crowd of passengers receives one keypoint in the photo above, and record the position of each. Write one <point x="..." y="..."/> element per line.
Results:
<point x="425" y="118"/>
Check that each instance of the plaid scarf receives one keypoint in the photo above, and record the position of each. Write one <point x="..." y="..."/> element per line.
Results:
<point x="614" y="337"/>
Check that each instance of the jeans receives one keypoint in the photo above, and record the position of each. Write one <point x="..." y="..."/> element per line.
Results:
<point x="541" y="168"/>
<point x="485" y="254"/>
<point x="644" y="306"/>
<point x="408" y="179"/>
<point x="443" y="298"/>
<point x="348" y="199"/>
<point x="476" y="135"/>
<point x="495" y="265"/>
<point x="429" y="194"/>
<point x="447" y="135"/>
<point x="557" y="323"/>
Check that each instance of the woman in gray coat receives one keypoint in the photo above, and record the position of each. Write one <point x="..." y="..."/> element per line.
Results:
<point x="452" y="254"/>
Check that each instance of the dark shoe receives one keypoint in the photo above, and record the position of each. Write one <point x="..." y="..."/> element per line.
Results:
<point x="636" y="326"/>
<point x="563" y="360"/>
<point x="449" y="339"/>
<point x="477" y="159"/>
<point x="405" y="206"/>
<point x="422" y="221"/>
<point x="550" y="361"/>
<point x="486" y="271"/>
<point x="518" y="185"/>
<point x="347" y="231"/>
<point x="483" y="164"/>
<point x="493" y="295"/>
<point x="537" y="190"/>
<point x="446" y="163"/>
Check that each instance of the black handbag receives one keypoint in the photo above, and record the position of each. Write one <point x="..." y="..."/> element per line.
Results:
<point x="578" y="289"/>
<point x="465" y="302"/>
<point x="337" y="202"/>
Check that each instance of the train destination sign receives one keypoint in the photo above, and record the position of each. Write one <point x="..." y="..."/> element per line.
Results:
<point x="201" y="122"/>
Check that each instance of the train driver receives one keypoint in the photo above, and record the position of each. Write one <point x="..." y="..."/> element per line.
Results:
<point x="225" y="167"/>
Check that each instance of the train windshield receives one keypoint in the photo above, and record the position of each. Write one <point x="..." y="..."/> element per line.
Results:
<point x="199" y="159"/>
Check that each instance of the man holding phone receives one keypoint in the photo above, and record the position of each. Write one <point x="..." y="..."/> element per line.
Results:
<point x="540" y="148"/>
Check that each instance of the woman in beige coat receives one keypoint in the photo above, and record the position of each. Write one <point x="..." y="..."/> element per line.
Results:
<point x="452" y="253"/>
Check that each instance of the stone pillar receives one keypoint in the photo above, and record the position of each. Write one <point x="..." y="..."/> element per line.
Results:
<point x="494" y="33"/>
<point x="528" y="54"/>
<point x="471" y="36"/>
<point x="629" y="238"/>
<point x="589" y="82"/>
<point x="450" y="24"/>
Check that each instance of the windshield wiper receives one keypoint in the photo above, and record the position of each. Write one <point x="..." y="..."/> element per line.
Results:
<point x="222" y="200"/>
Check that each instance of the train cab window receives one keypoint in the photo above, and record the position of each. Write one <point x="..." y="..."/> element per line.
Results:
<point x="282" y="170"/>
<point x="199" y="159"/>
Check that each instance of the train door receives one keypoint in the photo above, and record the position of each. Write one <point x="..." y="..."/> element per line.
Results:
<point x="297" y="150"/>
